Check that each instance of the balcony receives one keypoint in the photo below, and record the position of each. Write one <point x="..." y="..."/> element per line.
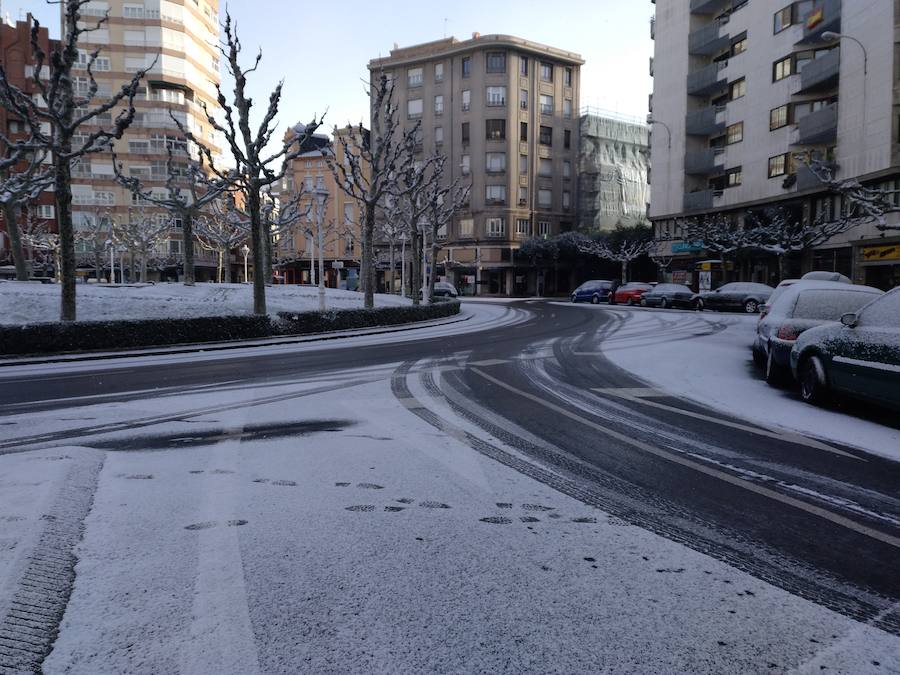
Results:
<point x="703" y="162"/>
<point x="807" y="180"/>
<point x="705" y="122"/>
<point x="708" y="6"/>
<point x="821" y="73"/>
<point x="707" y="80"/>
<point x="818" y="127"/>
<point x="702" y="199"/>
<point x="825" y="16"/>
<point x="708" y="40"/>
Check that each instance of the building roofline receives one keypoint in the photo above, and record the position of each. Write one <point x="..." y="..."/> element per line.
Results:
<point x="450" y="46"/>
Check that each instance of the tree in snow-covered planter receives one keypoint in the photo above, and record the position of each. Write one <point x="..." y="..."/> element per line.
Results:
<point x="23" y="177"/>
<point x="222" y="230"/>
<point x="255" y="166"/>
<point x="141" y="234"/>
<point x="372" y="162"/>
<point x="443" y="199"/>
<point x="623" y="246"/>
<point x="57" y="114"/>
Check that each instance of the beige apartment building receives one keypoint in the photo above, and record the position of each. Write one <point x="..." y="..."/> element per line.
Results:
<point x="311" y="173"/>
<point x="505" y="112"/>
<point x="182" y="35"/>
<point x="741" y="89"/>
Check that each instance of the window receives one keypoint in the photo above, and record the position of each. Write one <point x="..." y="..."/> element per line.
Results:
<point x="523" y="195"/>
<point x="414" y="77"/>
<point x="414" y="108"/>
<point x="495" y="227"/>
<point x="545" y="197"/>
<point x="523" y="66"/>
<point x="133" y="11"/>
<point x="545" y="167"/>
<point x="466" y="227"/>
<point x="496" y="96"/>
<point x="523" y="226"/>
<point x="737" y="89"/>
<point x="523" y="99"/>
<point x="734" y="133"/>
<point x="782" y="68"/>
<point x="495" y="162"/>
<point x="466" y="66"/>
<point x="544" y="228"/>
<point x="465" y="132"/>
<point x="546" y="137"/>
<point x="466" y="100"/>
<point x="439" y="135"/>
<point x="546" y="71"/>
<point x="438" y="72"/>
<point x="495" y="194"/>
<point x="779" y="165"/>
<point x="466" y="165"/>
<point x="567" y="77"/>
<point x="739" y="44"/>
<point x="46" y="211"/>
<point x="438" y="105"/>
<point x="546" y="105"/>
<point x="567" y="108"/>
<point x="567" y="139"/>
<point x="567" y="169"/>
<point x="779" y="117"/>
<point x="496" y="62"/>
<point x="523" y="131"/>
<point x="783" y="19"/>
<point x="495" y="130"/>
<point x="733" y="177"/>
<point x="567" y="199"/>
<point x="523" y="165"/>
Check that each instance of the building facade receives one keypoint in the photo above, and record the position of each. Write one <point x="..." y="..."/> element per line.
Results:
<point x="182" y="37"/>
<point x="613" y="168"/>
<point x="504" y="112"/>
<point x="17" y="61"/>
<point x="744" y="92"/>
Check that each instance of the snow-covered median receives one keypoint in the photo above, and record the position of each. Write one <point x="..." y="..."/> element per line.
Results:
<point x="22" y="303"/>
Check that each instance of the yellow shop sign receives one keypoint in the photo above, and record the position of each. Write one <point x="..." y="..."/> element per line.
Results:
<point x="879" y="253"/>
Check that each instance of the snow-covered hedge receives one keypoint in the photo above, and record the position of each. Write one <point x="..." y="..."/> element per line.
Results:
<point x="54" y="338"/>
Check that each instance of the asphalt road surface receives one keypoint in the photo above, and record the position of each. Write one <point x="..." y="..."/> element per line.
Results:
<point x="818" y="519"/>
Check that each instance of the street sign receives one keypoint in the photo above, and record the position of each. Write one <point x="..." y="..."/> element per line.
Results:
<point x="337" y="265"/>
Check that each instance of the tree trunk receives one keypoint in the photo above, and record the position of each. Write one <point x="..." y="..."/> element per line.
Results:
<point x="415" y="277"/>
<point x="393" y="272"/>
<point x="434" y="251"/>
<point x="624" y="271"/>
<point x="267" y="239"/>
<point x="15" y="242"/>
<point x="187" y="241"/>
<point x="220" y="266"/>
<point x="143" y="266"/>
<point x="367" y="269"/>
<point x="66" y="269"/>
<point x="256" y="236"/>
<point x="98" y="264"/>
<point x="321" y="236"/>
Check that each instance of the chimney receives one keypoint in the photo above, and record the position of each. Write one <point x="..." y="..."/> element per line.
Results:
<point x="475" y="36"/>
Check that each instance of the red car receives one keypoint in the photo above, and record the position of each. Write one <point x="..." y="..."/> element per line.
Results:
<point x="629" y="294"/>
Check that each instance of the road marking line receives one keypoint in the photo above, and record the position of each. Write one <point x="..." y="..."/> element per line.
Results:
<point x="759" y="431"/>
<point x="489" y="362"/>
<point x="700" y="468"/>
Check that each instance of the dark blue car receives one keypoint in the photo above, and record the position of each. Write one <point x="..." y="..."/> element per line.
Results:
<point x="592" y="291"/>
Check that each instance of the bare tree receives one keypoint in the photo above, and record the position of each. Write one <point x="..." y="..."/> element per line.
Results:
<point x="720" y="235"/>
<point x="280" y="218"/>
<point x="372" y="160"/>
<point x="65" y="110"/>
<point x="223" y="230"/>
<point x="94" y="235"/>
<point x="443" y="198"/>
<point x="624" y="252"/>
<point x="862" y="203"/>
<point x="255" y="166"/>
<point x="141" y="234"/>
<point x="23" y="177"/>
<point x="390" y="230"/>
<point x="43" y="244"/>
<point x="190" y="188"/>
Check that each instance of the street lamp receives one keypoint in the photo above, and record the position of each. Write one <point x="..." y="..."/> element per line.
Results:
<point x="402" y="265"/>
<point x="246" y="251"/>
<point x="831" y="35"/>
<point x="668" y="179"/>
<point x="321" y="195"/>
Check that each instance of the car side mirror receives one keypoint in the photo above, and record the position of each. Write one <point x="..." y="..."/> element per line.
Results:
<point x="850" y="320"/>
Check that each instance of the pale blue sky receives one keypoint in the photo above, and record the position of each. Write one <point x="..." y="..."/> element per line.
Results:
<point x="322" y="50"/>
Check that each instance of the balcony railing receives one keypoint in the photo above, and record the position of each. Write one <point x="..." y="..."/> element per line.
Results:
<point x="807" y="180"/>
<point x="707" y="80"/>
<point x="705" y="122"/>
<point x="818" y="127"/>
<point x="708" y="40"/>
<point x="698" y="200"/>
<point x="702" y="162"/>
<point x="708" y="6"/>
<point x="821" y="73"/>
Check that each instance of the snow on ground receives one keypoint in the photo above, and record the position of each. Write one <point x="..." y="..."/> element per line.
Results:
<point x="338" y="533"/>
<point x="662" y="347"/>
<point x="22" y="302"/>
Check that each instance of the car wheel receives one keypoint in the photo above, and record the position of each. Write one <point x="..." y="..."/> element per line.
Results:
<point x="574" y="299"/>
<point x="630" y="302"/>
<point x="751" y="307"/>
<point x="595" y="300"/>
<point x="663" y="304"/>
<point x="698" y="305"/>
<point x="643" y="303"/>
<point x="775" y="375"/>
<point x="813" y="383"/>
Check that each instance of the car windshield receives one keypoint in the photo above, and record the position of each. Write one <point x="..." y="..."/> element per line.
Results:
<point x="830" y="305"/>
<point x="883" y="312"/>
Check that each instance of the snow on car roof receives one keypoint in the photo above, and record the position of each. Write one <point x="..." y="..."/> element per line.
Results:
<point x="788" y="297"/>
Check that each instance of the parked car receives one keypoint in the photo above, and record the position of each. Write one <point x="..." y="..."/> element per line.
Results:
<point x="802" y="306"/>
<point x="444" y="289"/>
<point x="741" y="296"/>
<point x="826" y="276"/>
<point x="592" y="291"/>
<point x="629" y="294"/>
<point x="809" y="276"/>
<point x="858" y="357"/>
<point x="668" y="295"/>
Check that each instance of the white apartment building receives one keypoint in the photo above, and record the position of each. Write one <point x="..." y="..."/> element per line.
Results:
<point x="744" y="87"/>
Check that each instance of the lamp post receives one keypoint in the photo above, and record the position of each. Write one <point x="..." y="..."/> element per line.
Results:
<point x="112" y="261"/>
<point x="246" y="251"/>
<point x="652" y="121"/>
<point x="403" y="264"/>
<point x="831" y="35"/>
<point x="321" y="195"/>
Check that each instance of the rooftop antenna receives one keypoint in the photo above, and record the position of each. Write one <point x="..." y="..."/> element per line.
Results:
<point x="445" y="27"/>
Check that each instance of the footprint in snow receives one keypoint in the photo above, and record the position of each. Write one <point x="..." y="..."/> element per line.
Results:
<point x="433" y="505"/>
<point x="222" y="472"/>
<point x="361" y="507"/>
<point x="342" y="484"/>
<point x="284" y="483"/>
<point x="496" y="520"/>
<point x="584" y="520"/>
<point x="201" y="526"/>
<point x="536" y="507"/>
<point x="370" y="486"/>
<point x="140" y="476"/>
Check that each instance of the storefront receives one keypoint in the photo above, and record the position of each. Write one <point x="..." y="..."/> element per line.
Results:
<point x="880" y="265"/>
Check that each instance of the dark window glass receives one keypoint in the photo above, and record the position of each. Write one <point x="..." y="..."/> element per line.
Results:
<point x="567" y="139"/>
<point x="496" y="62"/>
<point x="466" y="66"/>
<point x="465" y="132"/>
<point x="495" y="130"/>
<point x="546" y="136"/>
<point x="523" y="131"/>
